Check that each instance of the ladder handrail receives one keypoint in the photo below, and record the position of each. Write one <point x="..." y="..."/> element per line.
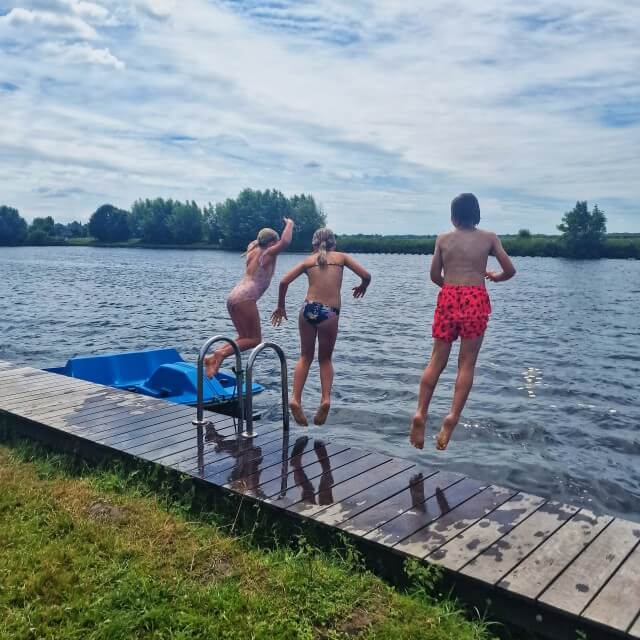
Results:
<point x="200" y="421"/>
<point x="283" y="381"/>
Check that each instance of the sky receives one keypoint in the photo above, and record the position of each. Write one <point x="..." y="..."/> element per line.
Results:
<point x="384" y="110"/>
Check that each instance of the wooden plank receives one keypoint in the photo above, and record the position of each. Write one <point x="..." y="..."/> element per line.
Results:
<point x="586" y="575"/>
<point x="324" y="493"/>
<point x="224" y="456"/>
<point x="618" y="603"/>
<point x="21" y="372"/>
<point x="425" y="510"/>
<point x="305" y="479"/>
<point x="447" y="526"/>
<point x="70" y="405"/>
<point x="97" y="404"/>
<point x="367" y="499"/>
<point x="474" y="540"/>
<point x="273" y="468"/>
<point x="17" y="391"/>
<point x="533" y="575"/>
<point x="44" y="401"/>
<point x="496" y="561"/>
<point x="149" y="435"/>
<point x="99" y="424"/>
<point x="422" y="486"/>
<point x="373" y="469"/>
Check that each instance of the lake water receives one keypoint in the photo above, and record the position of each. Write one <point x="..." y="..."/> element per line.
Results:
<point x="554" y="410"/>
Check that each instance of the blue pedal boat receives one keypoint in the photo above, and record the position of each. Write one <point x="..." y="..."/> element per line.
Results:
<point x="159" y="373"/>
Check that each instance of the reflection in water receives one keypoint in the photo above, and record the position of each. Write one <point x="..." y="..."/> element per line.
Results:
<point x="325" y="495"/>
<point x="416" y="488"/>
<point x="245" y="474"/>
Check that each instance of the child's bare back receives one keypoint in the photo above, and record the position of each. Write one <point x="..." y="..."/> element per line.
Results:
<point x="459" y="268"/>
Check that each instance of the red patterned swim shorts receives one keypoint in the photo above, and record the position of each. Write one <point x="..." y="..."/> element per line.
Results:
<point x="461" y="311"/>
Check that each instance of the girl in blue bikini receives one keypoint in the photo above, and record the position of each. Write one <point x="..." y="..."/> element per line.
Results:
<point x="318" y="318"/>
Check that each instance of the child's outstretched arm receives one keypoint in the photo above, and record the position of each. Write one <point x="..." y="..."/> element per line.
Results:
<point x="280" y="313"/>
<point x="508" y="270"/>
<point x="285" y="239"/>
<point x="436" y="265"/>
<point x="359" y="270"/>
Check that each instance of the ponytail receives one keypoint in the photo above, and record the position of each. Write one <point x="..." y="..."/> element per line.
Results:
<point x="322" y="254"/>
<point x="323" y="241"/>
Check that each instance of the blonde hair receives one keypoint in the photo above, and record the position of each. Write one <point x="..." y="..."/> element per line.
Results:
<point x="265" y="237"/>
<point x="323" y="240"/>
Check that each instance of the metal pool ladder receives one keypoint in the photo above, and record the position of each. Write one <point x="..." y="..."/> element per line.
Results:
<point x="249" y="433"/>
<point x="200" y="422"/>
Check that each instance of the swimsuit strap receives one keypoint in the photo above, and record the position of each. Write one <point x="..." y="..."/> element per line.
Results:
<point x="329" y="264"/>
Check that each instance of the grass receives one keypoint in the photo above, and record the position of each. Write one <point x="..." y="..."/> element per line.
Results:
<point x="106" y="553"/>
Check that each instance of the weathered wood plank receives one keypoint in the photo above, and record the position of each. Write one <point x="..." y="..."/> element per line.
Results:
<point x="448" y="525"/>
<point x="423" y="485"/>
<point x="535" y="573"/>
<point x="425" y="511"/>
<point x="367" y="499"/>
<point x="586" y="575"/>
<point x="305" y="479"/>
<point x="139" y="437"/>
<point x="330" y="480"/>
<point x="113" y="422"/>
<point x="618" y="603"/>
<point x="473" y="541"/>
<point x="233" y="452"/>
<point x="496" y="561"/>
<point x="374" y="469"/>
<point x="44" y="401"/>
<point x="46" y="387"/>
<point x="273" y="468"/>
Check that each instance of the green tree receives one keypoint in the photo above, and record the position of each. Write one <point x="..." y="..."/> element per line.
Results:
<point x="187" y="223"/>
<point x="238" y="220"/>
<point x="109" y="224"/>
<point x="13" y="228"/>
<point x="524" y="233"/>
<point x="308" y="217"/>
<point x="213" y="232"/>
<point x="584" y="231"/>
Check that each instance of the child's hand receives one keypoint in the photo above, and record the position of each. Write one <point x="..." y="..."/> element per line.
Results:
<point x="492" y="275"/>
<point x="359" y="291"/>
<point x="288" y="221"/>
<point x="278" y="316"/>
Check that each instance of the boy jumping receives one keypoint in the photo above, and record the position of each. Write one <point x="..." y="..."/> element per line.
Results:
<point x="459" y="267"/>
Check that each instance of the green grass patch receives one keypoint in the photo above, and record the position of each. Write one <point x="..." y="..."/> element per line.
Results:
<point x="100" y="554"/>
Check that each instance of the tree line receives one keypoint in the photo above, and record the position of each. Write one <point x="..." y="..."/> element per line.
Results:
<point x="234" y="223"/>
<point x="231" y="224"/>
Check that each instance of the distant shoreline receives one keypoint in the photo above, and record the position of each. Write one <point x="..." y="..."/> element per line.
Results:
<point x="616" y="245"/>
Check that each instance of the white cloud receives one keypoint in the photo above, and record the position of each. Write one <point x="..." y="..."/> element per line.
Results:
<point x="84" y="53"/>
<point x="383" y="109"/>
<point x="33" y="22"/>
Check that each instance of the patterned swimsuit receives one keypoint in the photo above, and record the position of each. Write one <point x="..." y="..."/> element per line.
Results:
<point x="462" y="311"/>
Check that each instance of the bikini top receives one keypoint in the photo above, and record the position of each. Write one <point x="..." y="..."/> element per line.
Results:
<point x="329" y="264"/>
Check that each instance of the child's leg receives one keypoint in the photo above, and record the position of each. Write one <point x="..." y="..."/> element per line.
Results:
<point x="246" y="320"/>
<point x="469" y="350"/>
<point x="307" y="351"/>
<point x="327" y="334"/>
<point x="428" y="382"/>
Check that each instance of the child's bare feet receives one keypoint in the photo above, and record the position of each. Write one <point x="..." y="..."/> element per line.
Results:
<point x="298" y="414"/>
<point x="212" y="365"/>
<point x="416" y="434"/>
<point x="448" y="425"/>
<point x="322" y="413"/>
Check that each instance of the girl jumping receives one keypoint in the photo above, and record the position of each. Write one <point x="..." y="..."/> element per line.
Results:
<point x="242" y="305"/>
<point x="318" y="318"/>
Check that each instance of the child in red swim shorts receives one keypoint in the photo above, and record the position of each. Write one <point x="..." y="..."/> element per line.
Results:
<point x="459" y="267"/>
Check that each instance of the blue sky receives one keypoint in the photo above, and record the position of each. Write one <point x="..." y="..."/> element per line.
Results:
<point x="382" y="109"/>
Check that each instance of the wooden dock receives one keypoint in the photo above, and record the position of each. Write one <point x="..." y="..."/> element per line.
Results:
<point x="548" y="567"/>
